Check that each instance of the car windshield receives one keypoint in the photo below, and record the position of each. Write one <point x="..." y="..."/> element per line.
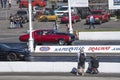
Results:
<point x="97" y="12"/>
<point x="21" y="12"/>
<point x="49" y="12"/>
<point x="62" y="8"/>
<point x="38" y="8"/>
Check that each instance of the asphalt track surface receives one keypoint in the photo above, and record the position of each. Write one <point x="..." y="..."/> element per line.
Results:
<point x="58" y="76"/>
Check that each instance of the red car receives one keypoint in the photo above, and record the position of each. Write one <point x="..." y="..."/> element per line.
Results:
<point x="24" y="3"/>
<point x="99" y="16"/>
<point x="49" y="36"/>
<point x="65" y="18"/>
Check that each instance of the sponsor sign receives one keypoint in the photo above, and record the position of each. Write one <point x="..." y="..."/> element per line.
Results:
<point x="75" y="49"/>
<point x="78" y="3"/>
<point x="114" y="4"/>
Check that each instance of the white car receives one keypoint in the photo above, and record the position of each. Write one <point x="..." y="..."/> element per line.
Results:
<point x="63" y="9"/>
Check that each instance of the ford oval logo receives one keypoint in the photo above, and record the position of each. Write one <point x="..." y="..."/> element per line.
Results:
<point x="44" y="48"/>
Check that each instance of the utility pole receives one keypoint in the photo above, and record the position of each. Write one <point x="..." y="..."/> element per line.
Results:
<point x="70" y="21"/>
<point x="31" y="42"/>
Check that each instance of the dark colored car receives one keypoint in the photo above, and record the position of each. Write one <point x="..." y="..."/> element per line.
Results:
<point x="13" y="54"/>
<point x="74" y="17"/>
<point x="24" y="14"/>
<point x="49" y="36"/>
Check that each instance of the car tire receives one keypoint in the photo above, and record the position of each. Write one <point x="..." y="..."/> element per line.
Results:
<point x="61" y="42"/>
<point x="11" y="56"/>
<point x="45" y="19"/>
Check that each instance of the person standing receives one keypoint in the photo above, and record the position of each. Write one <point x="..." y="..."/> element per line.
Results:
<point x="67" y="27"/>
<point x="21" y="21"/>
<point x="81" y="62"/>
<point x="4" y="2"/>
<point x="9" y="4"/>
<point x="17" y="21"/>
<point x="1" y="3"/>
<point x="91" y="20"/>
<point x="55" y="26"/>
<point x="11" y="18"/>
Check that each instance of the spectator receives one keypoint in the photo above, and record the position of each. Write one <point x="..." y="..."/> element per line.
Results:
<point x="17" y="1"/>
<point x="93" y="65"/>
<point x="17" y="21"/>
<point x="81" y="62"/>
<point x="67" y="27"/>
<point x="9" y="4"/>
<point x="55" y="26"/>
<point x="21" y="21"/>
<point x="91" y="19"/>
<point x="3" y="2"/>
<point x="11" y="18"/>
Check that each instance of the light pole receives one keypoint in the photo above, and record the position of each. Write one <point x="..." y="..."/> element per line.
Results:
<point x="31" y="47"/>
<point x="70" y="21"/>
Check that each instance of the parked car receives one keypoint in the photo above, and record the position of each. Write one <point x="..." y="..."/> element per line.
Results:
<point x="49" y="36"/>
<point x="24" y="3"/>
<point x="25" y="15"/>
<point x="13" y="54"/>
<point x="48" y="15"/>
<point x="74" y="18"/>
<point x="99" y="16"/>
<point x="63" y="9"/>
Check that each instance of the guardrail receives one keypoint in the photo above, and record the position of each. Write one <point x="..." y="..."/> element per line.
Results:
<point x="98" y="35"/>
<point x="54" y="67"/>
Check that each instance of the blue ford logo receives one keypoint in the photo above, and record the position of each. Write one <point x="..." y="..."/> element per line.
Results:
<point x="44" y="48"/>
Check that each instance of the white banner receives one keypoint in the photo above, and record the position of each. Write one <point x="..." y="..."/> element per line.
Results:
<point x="78" y="3"/>
<point x="114" y="4"/>
<point x="75" y="49"/>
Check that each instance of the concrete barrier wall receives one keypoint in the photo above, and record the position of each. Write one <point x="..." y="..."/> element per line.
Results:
<point x="53" y="67"/>
<point x="110" y="35"/>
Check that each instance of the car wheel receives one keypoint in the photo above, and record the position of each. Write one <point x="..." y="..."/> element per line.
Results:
<point x="11" y="56"/>
<point x="45" y="19"/>
<point x="61" y="42"/>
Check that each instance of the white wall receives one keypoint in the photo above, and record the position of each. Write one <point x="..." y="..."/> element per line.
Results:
<point x="109" y="35"/>
<point x="53" y="67"/>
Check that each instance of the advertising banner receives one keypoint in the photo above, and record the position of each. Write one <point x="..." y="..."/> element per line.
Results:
<point x="79" y="3"/>
<point x="75" y="49"/>
<point x="114" y="4"/>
